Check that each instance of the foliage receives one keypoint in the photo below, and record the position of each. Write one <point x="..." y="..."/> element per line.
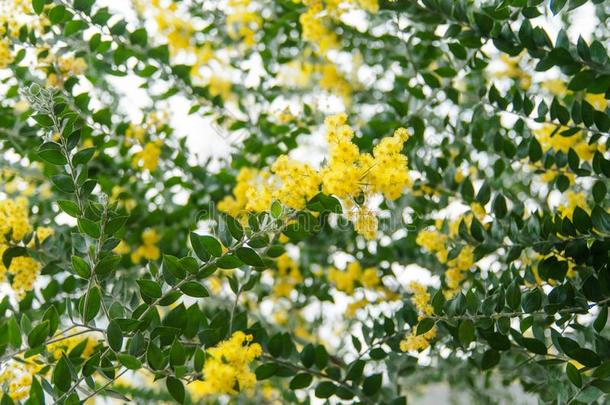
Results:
<point x="415" y="192"/>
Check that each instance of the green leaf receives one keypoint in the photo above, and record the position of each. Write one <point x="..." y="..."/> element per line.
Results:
<point x="602" y="318"/>
<point x="14" y="333"/>
<point x="599" y="191"/>
<point x="89" y="227"/>
<point x="325" y="389"/>
<point x="177" y="355"/>
<point x="194" y="289"/>
<point x="81" y="267"/>
<point x="372" y="384"/>
<point x="92" y="303"/>
<point x="499" y="206"/>
<point x="235" y="228"/>
<point x="154" y="357"/>
<point x="205" y="245"/>
<point x="573" y="375"/>
<point x="38" y="6"/>
<point x="307" y="355"/>
<point x="249" y="256"/>
<point x="513" y="295"/>
<point x="229" y="262"/>
<point x="83" y="156"/>
<point x="175" y="388"/>
<point x="581" y="220"/>
<point x="62" y="377"/>
<point x="129" y="361"/>
<point x="51" y="152"/>
<point x="115" y="336"/>
<point x="300" y="381"/>
<point x="10" y="253"/>
<point x="466" y="332"/>
<point x="490" y="359"/>
<point x="38" y="335"/>
<point x="69" y="207"/>
<point x="149" y="288"/>
<point x="265" y="371"/>
<point x="63" y="183"/>
<point x="425" y="325"/>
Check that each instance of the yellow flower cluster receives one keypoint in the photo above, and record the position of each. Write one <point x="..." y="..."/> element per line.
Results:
<point x="148" y="250"/>
<point x="226" y="370"/>
<point x="251" y="193"/>
<point x="288" y="276"/>
<point x="436" y="242"/>
<point x="296" y="182"/>
<point x="177" y="30"/>
<point x="148" y="158"/>
<point x="513" y="71"/>
<point x="64" y="346"/>
<point x="65" y="66"/>
<point x="17" y="376"/>
<point x="6" y="55"/>
<point x="14" y="226"/>
<point x="333" y="81"/>
<point x="219" y="86"/>
<point x="551" y="138"/>
<point x="457" y="267"/>
<point x="314" y="23"/>
<point x="421" y="300"/>
<point x="573" y="200"/>
<point x="346" y="280"/>
<point x="243" y="23"/>
<point x="347" y="175"/>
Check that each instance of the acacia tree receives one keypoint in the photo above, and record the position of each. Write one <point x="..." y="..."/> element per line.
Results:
<point x="415" y="192"/>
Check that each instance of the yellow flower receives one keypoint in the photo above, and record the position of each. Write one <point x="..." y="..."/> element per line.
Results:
<point x="226" y="370"/>
<point x="6" y="55"/>
<point x="421" y="300"/>
<point x="598" y="101"/>
<point x="148" y="158"/>
<point x="574" y="200"/>
<point x="148" y="250"/>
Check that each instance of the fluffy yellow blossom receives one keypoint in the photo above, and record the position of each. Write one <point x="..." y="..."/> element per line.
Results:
<point x="354" y="307"/>
<point x="242" y="21"/>
<point x="348" y="175"/>
<point x="598" y="101"/>
<point x="434" y="242"/>
<point x="122" y="248"/>
<point x="252" y="192"/>
<point x="288" y="276"/>
<point x="457" y="267"/>
<point x="513" y="71"/>
<point x="148" y="158"/>
<point x="71" y="65"/>
<point x="220" y="87"/>
<point x="421" y="300"/>
<point x="226" y="370"/>
<point x="333" y="81"/>
<point x="14" y="218"/>
<point x="148" y="250"/>
<point x="346" y="280"/>
<point x="574" y="200"/>
<point x="14" y="226"/>
<point x="6" y="55"/>
<point x="315" y="28"/>
<point x="551" y="138"/>
<point x="556" y="87"/>
<point x="134" y="132"/>
<point x="297" y="182"/>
